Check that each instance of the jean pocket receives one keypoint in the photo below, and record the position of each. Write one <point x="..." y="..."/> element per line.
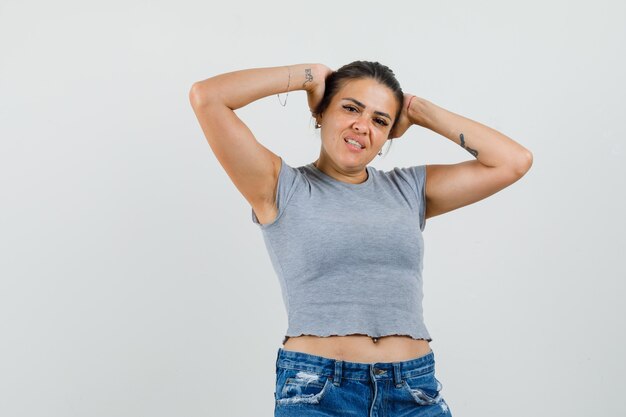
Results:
<point x="425" y="389"/>
<point x="294" y="386"/>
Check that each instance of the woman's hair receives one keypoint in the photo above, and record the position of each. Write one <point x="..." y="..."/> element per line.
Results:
<point x="358" y="70"/>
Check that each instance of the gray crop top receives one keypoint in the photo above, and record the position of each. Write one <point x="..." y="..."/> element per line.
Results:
<point x="349" y="256"/>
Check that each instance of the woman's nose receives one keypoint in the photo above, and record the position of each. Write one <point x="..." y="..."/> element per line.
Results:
<point x="360" y="124"/>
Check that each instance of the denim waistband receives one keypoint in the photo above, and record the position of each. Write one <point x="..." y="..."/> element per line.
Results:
<point x="355" y="370"/>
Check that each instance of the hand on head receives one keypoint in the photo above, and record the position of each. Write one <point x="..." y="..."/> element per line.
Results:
<point x="403" y="122"/>
<point x="315" y="90"/>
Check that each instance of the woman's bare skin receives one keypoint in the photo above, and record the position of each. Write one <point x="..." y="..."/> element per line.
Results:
<point x="364" y="109"/>
<point x="360" y="348"/>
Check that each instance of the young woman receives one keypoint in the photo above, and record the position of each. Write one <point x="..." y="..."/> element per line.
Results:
<point x="345" y="239"/>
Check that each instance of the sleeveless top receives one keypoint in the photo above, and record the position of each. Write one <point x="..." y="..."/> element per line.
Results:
<point x="349" y="257"/>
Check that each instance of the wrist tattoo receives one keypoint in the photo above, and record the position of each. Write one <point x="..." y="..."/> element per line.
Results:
<point x="308" y="75"/>
<point x="467" y="148"/>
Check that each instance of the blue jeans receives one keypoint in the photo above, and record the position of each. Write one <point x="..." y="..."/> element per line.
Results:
<point x="310" y="385"/>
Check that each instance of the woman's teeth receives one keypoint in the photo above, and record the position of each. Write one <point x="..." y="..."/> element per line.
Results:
<point x="355" y="143"/>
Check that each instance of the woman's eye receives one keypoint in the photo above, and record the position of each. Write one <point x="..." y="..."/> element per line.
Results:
<point x="381" y="122"/>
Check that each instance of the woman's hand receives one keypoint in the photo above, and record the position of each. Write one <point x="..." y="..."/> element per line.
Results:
<point x="315" y="90"/>
<point x="403" y="122"/>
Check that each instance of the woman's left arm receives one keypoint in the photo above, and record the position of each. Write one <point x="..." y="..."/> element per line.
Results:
<point x="500" y="161"/>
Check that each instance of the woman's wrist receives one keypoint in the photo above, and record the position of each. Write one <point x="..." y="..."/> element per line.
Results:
<point x="318" y="75"/>
<point x="299" y="77"/>
<point x="303" y="76"/>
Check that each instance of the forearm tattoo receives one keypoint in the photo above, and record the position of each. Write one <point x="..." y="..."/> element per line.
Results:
<point x="308" y="77"/>
<point x="467" y="148"/>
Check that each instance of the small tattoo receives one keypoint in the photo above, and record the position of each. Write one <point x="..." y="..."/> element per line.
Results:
<point x="467" y="148"/>
<point x="308" y="75"/>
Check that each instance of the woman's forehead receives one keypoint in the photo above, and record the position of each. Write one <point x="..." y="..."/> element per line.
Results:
<point x="368" y="92"/>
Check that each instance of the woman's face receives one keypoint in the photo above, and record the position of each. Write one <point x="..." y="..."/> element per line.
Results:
<point x="362" y="110"/>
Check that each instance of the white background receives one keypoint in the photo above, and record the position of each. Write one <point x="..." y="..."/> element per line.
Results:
<point x="134" y="283"/>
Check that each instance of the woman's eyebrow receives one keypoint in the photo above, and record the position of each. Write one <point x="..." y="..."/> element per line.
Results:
<point x="358" y="103"/>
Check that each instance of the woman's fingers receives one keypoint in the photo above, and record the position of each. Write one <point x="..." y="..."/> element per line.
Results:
<point x="403" y="122"/>
<point x="316" y="92"/>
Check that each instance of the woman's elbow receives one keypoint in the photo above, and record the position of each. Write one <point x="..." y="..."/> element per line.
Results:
<point x="202" y="92"/>
<point x="524" y="163"/>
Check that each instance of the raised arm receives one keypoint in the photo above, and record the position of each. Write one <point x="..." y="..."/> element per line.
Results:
<point x="251" y="166"/>
<point x="499" y="160"/>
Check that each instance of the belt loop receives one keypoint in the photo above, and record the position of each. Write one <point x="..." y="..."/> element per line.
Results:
<point x="337" y="375"/>
<point x="397" y="374"/>
<point x="277" y="357"/>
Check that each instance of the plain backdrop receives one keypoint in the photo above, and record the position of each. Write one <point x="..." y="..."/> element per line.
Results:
<point x="134" y="283"/>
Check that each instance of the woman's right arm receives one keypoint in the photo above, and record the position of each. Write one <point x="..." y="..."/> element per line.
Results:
<point x="251" y="166"/>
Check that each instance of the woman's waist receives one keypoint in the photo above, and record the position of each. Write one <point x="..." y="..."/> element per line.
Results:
<point x="359" y="347"/>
